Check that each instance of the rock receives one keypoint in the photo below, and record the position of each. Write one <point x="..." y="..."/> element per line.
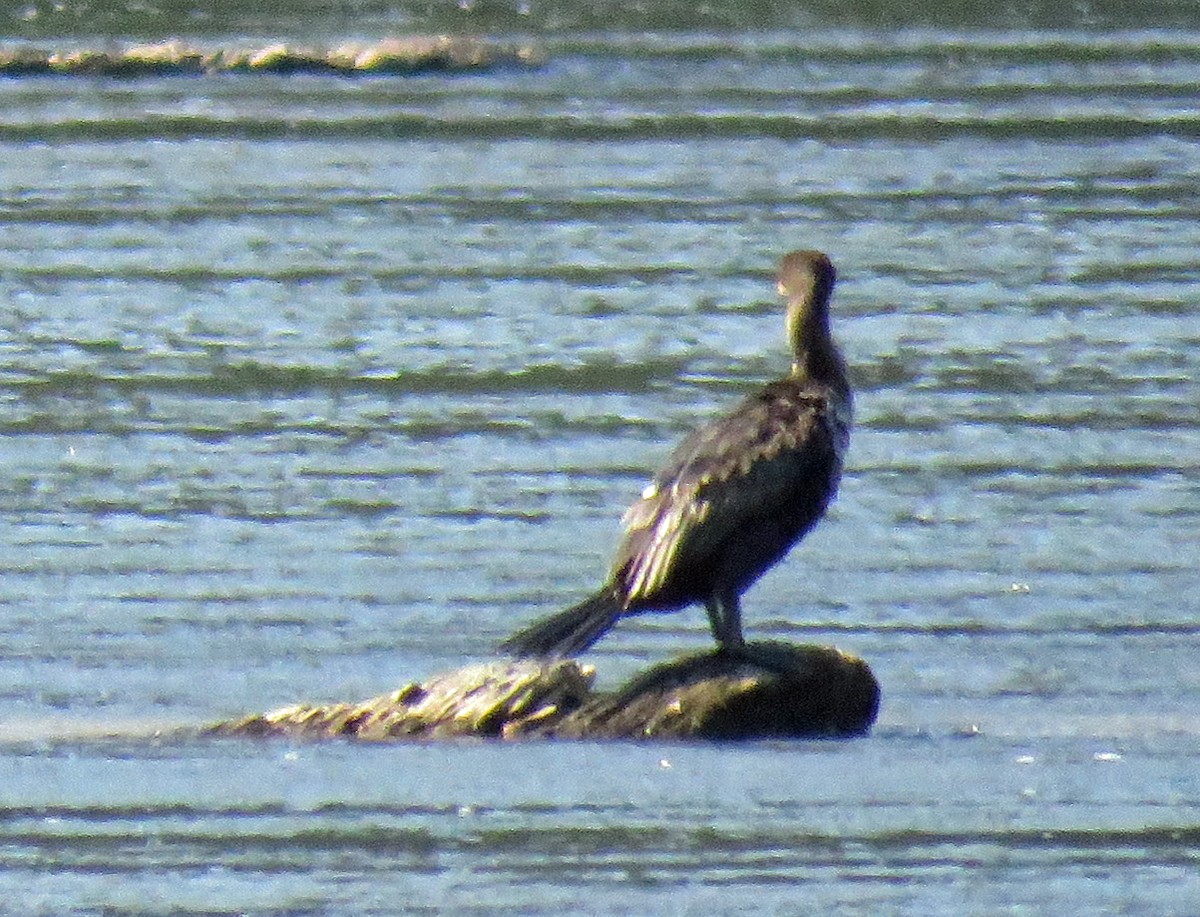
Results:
<point x="412" y="54"/>
<point x="773" y="690"/>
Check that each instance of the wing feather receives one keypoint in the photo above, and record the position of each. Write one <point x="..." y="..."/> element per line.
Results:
<point x="720" y="479"/>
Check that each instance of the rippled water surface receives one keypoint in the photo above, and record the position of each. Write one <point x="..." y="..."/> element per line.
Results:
<point x="311" y="386"/>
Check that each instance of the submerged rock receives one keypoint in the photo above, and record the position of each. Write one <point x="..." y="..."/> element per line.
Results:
<point x="412" y="54"/>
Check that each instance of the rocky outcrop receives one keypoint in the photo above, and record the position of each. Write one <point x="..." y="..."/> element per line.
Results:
<point x="772" y="690"/>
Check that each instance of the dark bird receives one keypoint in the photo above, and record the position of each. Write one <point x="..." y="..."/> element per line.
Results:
<point x="734" y="496"/>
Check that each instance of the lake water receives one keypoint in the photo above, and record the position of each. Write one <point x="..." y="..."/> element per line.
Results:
<point x="312" y="386"/>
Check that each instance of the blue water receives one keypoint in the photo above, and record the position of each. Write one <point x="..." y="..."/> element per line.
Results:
<point x="313" y="386"/>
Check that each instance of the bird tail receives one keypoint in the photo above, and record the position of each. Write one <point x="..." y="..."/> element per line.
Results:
<point x="569" y="632"/>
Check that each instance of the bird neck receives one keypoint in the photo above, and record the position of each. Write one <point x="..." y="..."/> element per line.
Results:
<point x="815" y="357"/>
<point x="821" y="364"/>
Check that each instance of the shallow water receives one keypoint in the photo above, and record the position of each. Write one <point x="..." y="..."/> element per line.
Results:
<point x="312" y="386"/>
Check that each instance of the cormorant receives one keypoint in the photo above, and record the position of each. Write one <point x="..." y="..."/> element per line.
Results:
<point x="734" y="496"/>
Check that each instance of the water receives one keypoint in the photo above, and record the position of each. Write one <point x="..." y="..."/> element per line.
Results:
<point x="312" y="386"/>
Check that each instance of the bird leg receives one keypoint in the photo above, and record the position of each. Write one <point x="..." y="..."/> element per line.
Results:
<point x="725" y="619"/>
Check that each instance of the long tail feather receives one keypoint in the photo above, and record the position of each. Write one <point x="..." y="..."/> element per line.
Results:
<point x="569" y="632"/>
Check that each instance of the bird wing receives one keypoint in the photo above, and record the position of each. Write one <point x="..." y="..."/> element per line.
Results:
<point x="721" y="478"/>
